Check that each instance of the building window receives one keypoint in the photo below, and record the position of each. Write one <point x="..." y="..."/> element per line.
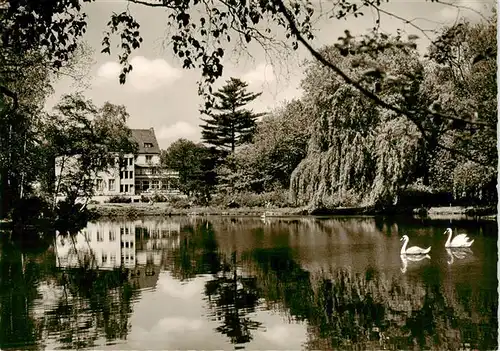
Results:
<point x="145" y="185"/>
<point x="121" y="188"/>
<point x="100" y="236"/>
<point x="99" y="184"/>
<point x="148" y="145"/>
<point x="131" y="161"/>
<point x="111" y="185"/>
<point x="112" y="236"/>
<point x="104" y="257"/>
<point x="131" y="174"/>
<point x="155" y="184"/>
<point x="126" y="188"/>
<point x="149" y="158"/>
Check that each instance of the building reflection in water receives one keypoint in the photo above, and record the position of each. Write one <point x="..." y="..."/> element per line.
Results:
<point x="140" y="246"/>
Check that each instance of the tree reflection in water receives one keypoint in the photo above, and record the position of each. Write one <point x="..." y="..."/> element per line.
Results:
<point x="93" y="304"/>
<point x="18" y="289"/>
<point x="233" y="297"/>
<point x="370" y="310"/>
<point x="230" y="295"/>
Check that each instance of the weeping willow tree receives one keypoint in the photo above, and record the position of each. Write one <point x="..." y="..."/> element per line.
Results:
<point x="359" y="153"/>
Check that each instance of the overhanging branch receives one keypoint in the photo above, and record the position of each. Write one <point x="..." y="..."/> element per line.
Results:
<point x="411" y="116"/>
<point x="153" y="4"/>
<point x="296" y="32"/>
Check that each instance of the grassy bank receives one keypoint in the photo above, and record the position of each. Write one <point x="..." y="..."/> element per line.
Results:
<point x="134" y="210"/>
<point x="163" y="209"/>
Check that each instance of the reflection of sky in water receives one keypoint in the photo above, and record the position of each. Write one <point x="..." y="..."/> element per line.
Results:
<point x="293" y="283"/>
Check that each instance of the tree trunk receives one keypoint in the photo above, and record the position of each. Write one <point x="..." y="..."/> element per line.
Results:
<point x="5" y="197"/>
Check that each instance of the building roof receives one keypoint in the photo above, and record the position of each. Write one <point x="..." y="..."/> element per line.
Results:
<point x="144" y="136"/>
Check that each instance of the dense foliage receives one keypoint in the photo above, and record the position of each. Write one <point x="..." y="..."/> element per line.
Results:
<point x="195" y="164"/>
<point x="463" y="78"/>
<point x="83" y="140"/>
<point x="279" y="145"/>
<point x="359" y="153"/>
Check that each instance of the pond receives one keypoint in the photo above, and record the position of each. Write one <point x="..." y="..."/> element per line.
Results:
<point x="274" y="283"/>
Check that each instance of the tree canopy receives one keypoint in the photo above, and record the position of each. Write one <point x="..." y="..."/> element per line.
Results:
<point x="88" y="140"/>
<point x="195" y="164"/>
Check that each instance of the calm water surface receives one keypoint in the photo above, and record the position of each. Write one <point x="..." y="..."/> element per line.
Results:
<point x="226" y="283"/>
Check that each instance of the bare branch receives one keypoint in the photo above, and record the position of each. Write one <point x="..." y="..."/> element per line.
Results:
<point x="379" y="10"/>
<point x="466" y="8"/>
<point x="151" y="4"/>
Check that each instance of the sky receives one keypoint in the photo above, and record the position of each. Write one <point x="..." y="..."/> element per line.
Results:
<point x="160" y="94"/>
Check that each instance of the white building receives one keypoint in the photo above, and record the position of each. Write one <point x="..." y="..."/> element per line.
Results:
<point x="140" y="175"/>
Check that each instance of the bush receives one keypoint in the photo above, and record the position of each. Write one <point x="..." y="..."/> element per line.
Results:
<point x="119" y="200"/>
<point x="180" y="202"/>
<point x="276" y="198"/>
<point x="159" y="198"/>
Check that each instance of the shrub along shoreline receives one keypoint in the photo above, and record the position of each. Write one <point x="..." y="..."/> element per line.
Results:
<point x="137" y="210"/>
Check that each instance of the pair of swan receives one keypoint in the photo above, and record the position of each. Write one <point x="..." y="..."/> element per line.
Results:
<point x="461" y="240"/>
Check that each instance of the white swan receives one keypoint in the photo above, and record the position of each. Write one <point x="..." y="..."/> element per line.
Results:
<point x="461" y="240"/>
<point x="414" y="250"/>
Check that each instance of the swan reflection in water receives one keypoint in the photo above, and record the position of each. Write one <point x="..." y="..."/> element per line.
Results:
<point x="414" y="258"/>
<point x="458" y="252"/>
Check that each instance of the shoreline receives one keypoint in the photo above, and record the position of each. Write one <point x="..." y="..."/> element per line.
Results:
<point x="135" y="210"/>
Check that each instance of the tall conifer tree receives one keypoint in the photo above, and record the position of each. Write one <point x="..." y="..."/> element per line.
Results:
<point x="229" y="124"/>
